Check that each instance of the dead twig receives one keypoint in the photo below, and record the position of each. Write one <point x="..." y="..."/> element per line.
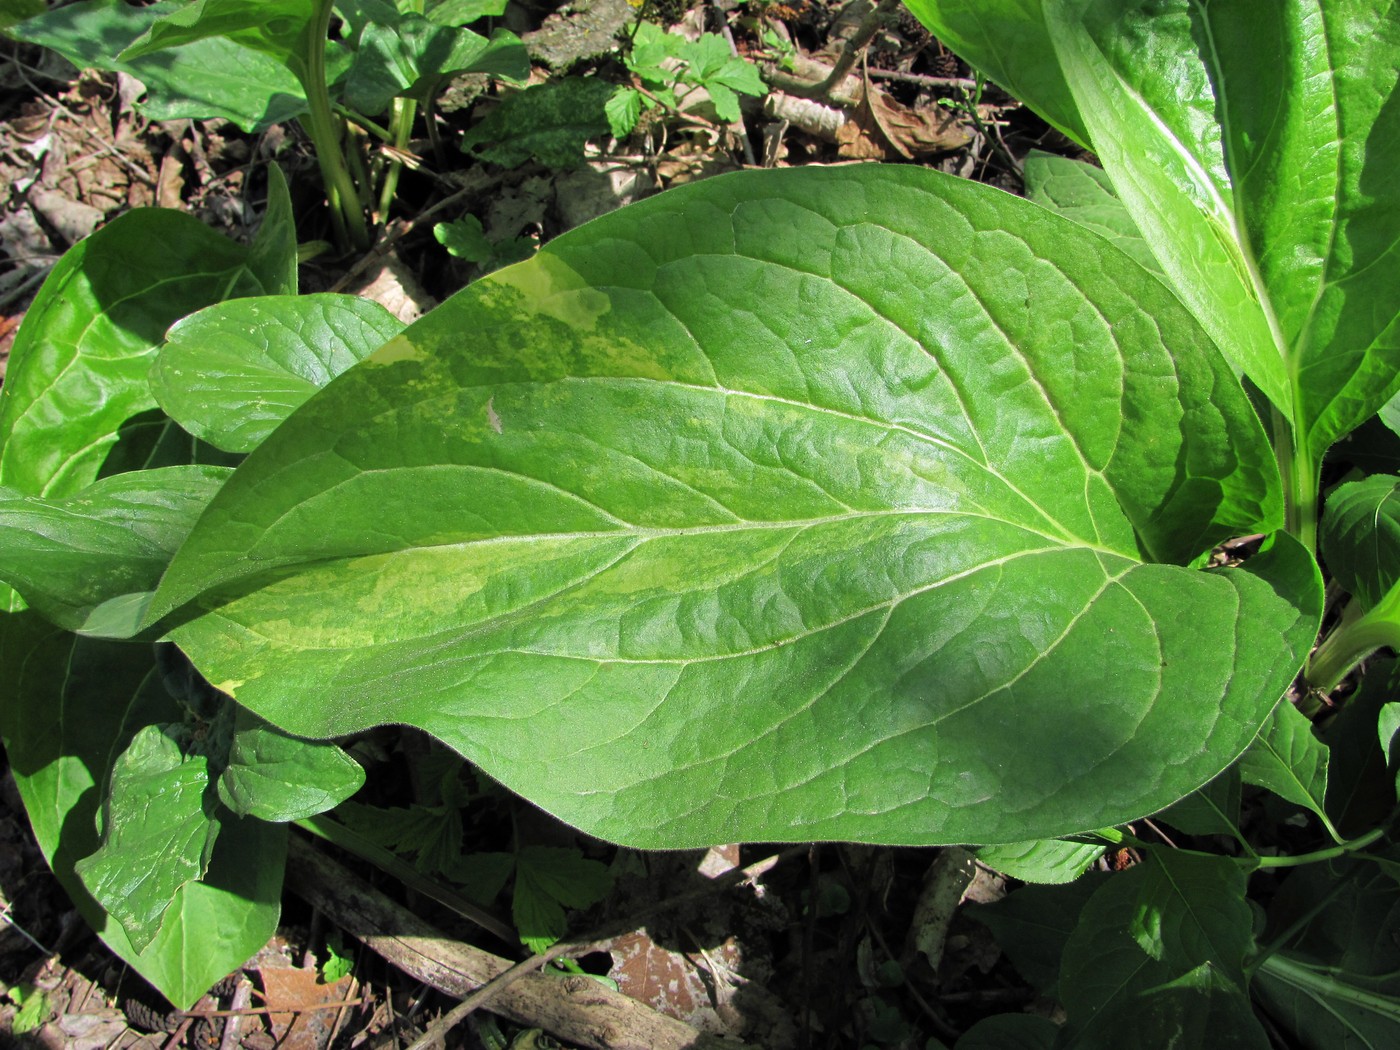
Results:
<point x="869" y="26"/>
<point x="577" y="1009"/>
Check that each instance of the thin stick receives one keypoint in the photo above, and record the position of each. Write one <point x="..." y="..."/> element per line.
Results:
<point x="869" y="26"/>
<point x="496" y="985"/>
<point x="574" y="1008"/>
<point x="245" y="1010"/>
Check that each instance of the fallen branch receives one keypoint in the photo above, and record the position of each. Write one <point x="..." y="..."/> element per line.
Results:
<point x="575" y="1009"/>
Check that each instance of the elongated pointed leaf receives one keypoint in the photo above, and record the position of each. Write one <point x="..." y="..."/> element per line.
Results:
<point x="208" y="78"/>
<point x="115" y="538"/>
<point x="786" y="506"/>
<point x="1253" y="143"/>
<point x="1288" y="759"/>
<point x="1008" y="42"/>
<point x="232" y="372"/>
<point x="68" y="707"/>
<point x="272" y="257"/>
<point x="1360" y="536"/>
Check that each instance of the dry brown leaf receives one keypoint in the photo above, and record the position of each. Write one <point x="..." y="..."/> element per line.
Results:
<point x="881" y="129"/>
<point x="291" y="994"/>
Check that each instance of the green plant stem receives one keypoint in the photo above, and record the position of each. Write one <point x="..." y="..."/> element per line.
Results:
<point x="1299" y="473"/>
<point x="1331" y="853"/>
<point x="1321" y="981"/>
<point x="1354" y="638"/>
<point x="338" y="834"/>
<point x="347" y="217"/>
<point x="379" y="131"/>
<point x="401" y="118"/>
<point x="405" y="110"/>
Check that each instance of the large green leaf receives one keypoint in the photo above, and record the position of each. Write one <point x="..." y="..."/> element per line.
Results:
<point x="1161" y="948"/>
<point x="280" y="28"/>
<point x="1254" y="144"/>
<point x="800" y="505"/>
<point x="205" y="79"/>
<point x="77" y="371"/>
<point x="1007" y="41"/>
<point x="113" y="540"/>
<point x="68" y="707"/>
<point x="233" y="371"/>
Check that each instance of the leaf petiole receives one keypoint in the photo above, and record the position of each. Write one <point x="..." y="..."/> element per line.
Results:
<point x="1357" y="636"/>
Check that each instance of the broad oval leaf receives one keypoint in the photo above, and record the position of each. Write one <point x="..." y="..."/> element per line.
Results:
<point x="812" y="504"/>
<point x="1045" y="861"/>
<point x="78" y="368"/>
<point x="232" y="372"/>
<point x="276" y="777"/>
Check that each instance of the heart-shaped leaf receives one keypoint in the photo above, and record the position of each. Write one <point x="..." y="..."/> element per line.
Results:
<point x="1289" y="760"/>
<point x="415" y="57"/>
<point x="68" y="707"/>
<point x="812" y="504"/>
<point x="1161" y="947"/>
